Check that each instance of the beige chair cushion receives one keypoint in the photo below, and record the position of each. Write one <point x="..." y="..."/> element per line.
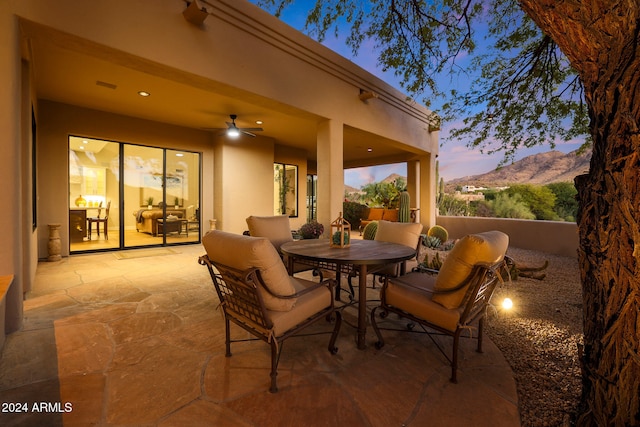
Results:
<point x="413" y="293"/>
<point x="274" y="228"/>
<point x="402" y="233"/>
<point x="306" y="306"/>
<point x="244" y="252"/>
<point x="489" y="247"/>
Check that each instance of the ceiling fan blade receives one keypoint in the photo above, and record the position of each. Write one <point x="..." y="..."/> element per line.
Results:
<point x="252" y="129"/>
<point x="253" y="135"/>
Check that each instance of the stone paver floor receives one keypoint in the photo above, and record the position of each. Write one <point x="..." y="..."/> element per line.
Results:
<point x="137" y="342"/>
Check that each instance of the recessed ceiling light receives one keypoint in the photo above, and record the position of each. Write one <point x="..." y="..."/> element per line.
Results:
<point x="84" y="141"/>
<point x="369" y="149"/>
<point x="179" y="155"/>
<point x="258" y="122"/>
<point x="143" y="93"/>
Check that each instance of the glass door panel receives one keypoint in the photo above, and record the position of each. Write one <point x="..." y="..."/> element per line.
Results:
<point x="94" y="196"/>
<point x="183" y="197"/>
<point x="143" y="195"/>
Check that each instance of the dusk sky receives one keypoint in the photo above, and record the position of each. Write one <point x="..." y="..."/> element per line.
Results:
<point x="456" y="159"/>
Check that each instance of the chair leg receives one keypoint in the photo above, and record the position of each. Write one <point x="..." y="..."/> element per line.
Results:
<point x="380" y="343"/>
<point x="480" y="330"/>
<point x="106" y="236"/>
<point x="274" y="366"/>
<point x="336" y="329"/>
<point x="227" y="331"/>
<point x="454" y="358"/>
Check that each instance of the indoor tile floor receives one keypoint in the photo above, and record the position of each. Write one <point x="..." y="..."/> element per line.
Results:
<point x="137" y="340"/>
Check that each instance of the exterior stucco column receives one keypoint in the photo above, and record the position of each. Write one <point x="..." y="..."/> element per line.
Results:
<point x="413" y="185"/>
<point x="330" y="172"/>
<point x="10" y="171"/>
<point x="427" y="171"/>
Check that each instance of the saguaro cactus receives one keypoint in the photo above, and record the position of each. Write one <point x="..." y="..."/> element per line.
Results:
<point x="404" y="213"/>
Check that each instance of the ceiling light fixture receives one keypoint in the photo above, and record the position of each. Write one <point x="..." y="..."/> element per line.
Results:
<point x="369" y="149"/>
<point x="232" y="131"/>
<point x="143" y="93"/>
<point x="259" y="122"/>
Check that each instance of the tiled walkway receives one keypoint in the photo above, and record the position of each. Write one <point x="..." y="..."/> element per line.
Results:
<point x="138" y="341"/>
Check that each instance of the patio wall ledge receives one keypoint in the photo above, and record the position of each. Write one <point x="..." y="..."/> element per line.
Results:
<point x="554" y="237"/>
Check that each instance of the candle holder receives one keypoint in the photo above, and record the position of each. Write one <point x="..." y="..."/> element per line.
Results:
<point x="340" y="233"/>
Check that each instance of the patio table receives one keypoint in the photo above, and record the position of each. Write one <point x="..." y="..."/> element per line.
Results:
<point x="361" y="254"/>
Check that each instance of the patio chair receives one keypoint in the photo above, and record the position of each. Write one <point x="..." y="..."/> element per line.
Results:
<point x="278" y="230"/>
<point x="257" y="294"/>
<point x="451" y="301"/>
<point x="402" y="233"/>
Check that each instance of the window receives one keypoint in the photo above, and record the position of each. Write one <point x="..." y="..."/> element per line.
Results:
<point x="285" y="189"/>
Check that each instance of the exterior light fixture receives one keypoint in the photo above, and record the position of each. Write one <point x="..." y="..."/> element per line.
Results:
<point x="259" y="122"/>
<point x="143" y="93"/>
<point x="507" y="304"/>
<point x="365" y="95"/>
<point x="369" y="149"/>
<point x="194" y="13"/>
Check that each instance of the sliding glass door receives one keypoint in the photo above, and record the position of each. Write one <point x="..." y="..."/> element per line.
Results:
<point x="162" y="190"/>
<point x="153" y="194"/>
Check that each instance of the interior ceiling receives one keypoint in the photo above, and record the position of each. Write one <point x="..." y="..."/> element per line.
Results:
<point x="108" y="80"/>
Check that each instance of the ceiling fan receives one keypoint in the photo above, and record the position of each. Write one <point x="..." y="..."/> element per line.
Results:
<point x="234" y="131"/>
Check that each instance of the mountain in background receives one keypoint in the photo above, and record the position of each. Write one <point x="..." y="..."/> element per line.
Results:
<point x="542" y="168"/>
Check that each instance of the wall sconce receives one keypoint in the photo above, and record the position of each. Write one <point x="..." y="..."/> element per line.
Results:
<point x="366" y="95"/>
<point x="194" y="14"/>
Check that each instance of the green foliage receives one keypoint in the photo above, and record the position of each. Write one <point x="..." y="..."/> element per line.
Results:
<point x="540" y="200"/>
<point x="566" y="205"/>
<point x="506" y="206"/>
<point x="370" y="230"/>
<point x="519" y="90"/>
<point x="404" y="212"/>
<point x="434" y="264"/>
<point x="432" y="242"/>
<point x="440" y="232"/>
<point x="450" y="206"/>
<point x="385" y="194"/>
<point x="336" y="238"/>
<point x="353" y="212"/>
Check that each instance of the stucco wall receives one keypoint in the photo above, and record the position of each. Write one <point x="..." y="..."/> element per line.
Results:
<point x="560" y="238"/>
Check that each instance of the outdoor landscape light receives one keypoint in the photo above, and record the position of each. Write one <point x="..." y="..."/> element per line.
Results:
<point x="507" y="304"/>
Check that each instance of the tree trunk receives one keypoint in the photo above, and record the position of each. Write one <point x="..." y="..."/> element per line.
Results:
<point x="602" y="41"/>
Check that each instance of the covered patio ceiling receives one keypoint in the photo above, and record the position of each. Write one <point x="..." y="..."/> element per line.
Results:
<point x="78" y="72"/>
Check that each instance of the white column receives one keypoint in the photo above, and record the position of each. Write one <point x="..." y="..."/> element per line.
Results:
<point x="330" y="172"/>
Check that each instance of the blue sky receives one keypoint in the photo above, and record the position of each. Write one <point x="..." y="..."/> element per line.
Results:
<point x="455" y="158"/>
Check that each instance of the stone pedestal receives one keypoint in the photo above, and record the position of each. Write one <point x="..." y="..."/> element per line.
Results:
<point x="54" y="245"/>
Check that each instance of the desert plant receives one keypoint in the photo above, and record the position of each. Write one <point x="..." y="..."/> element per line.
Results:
<point x="432" y="242"/>
<point x="440" y="232"/>
<point x="150" y="201"/>
<point x="370" y="230"/>
<point x="404" y="213"/>
<point x="336" y="238"/>
<point x="434" y="264"/>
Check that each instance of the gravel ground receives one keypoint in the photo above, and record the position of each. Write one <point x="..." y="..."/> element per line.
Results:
<point x="539" y="337"/>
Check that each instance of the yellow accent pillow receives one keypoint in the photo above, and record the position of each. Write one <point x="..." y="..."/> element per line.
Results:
<point x="488" y="247"/>
<point x="244" y="252"/>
